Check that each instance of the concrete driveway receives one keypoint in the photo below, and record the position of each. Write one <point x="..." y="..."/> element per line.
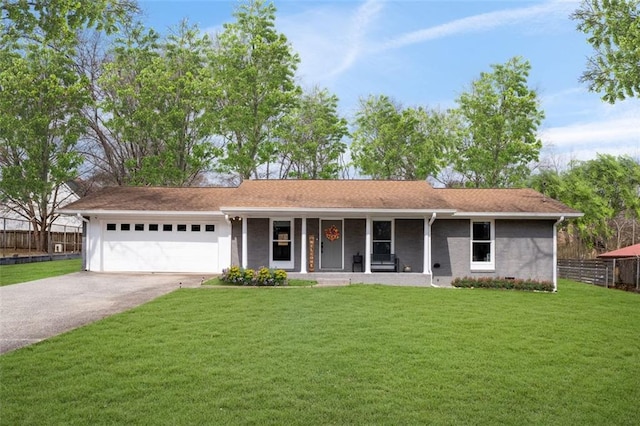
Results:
<point x="36" y="310"/>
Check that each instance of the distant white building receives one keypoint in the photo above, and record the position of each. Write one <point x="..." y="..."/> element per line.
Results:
<point x="10" y="219"/>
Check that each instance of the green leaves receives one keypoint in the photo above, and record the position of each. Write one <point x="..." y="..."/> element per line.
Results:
<point x="311" y="136"/>
<point x="501" y="116"/>
<point x="390" y="142"/>
<point x="159" y="95"/>
<point x="255" y="67"/>
<point x="605" y="189"/>
<point x="613" y="30"/>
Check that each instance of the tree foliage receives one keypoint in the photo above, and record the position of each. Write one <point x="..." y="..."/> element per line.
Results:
<point x="501" y="115"/>
<point x="255" y="67"/>
<point x="59" y="21"/>
<point x="613" y="30"/>
<point x="392" y="142"/>
<point x="606" y="189"/>
<point x="158" y="95"/>
<point x="312" y="138"/>
<point x="40" y="122"/>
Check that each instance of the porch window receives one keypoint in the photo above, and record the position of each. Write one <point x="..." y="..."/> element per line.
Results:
<point x="482" y="245"/>
<point x="282" y="244"/>
<point x="382" y="237"/>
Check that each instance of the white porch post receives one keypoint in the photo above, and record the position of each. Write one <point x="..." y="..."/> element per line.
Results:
<point x="555" y="254"/>
<point x="367" y="247"/>
<point x="245" y="249"/>
<point x="303" y="247"/>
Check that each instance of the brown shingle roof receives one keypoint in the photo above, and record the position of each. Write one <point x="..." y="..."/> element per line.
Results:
<point x="503" y="201"/>
<point x="153" y="199"/>
<point x="321" y="194"/>
<point x="343" y="194"/>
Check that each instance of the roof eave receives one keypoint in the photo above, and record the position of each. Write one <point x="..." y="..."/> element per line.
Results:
<point x="325" y="211"/>
<point x="103" y="212"/>
<point x="519" y="215"/>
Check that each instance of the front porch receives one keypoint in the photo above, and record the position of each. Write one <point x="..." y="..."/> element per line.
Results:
<point x="345" y="278"/>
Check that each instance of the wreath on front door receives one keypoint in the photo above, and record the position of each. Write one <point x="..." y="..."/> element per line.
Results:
<point x="332" y="233"/>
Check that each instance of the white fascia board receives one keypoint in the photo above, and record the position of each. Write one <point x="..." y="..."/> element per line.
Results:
<point x="328" y="212"/>
<point x="516" y="215"/>
<point x="152" y="213"/>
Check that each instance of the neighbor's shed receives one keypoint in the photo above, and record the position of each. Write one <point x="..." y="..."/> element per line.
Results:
<point x="628" y="264"/>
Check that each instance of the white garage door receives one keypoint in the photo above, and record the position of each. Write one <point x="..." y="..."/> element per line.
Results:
<point x="162" y="247"/>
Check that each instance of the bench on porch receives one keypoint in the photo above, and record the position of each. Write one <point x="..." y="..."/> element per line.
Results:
<point x="385" y="263"/>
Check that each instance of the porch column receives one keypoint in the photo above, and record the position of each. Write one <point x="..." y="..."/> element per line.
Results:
<point x="367" y="247"/>
<point x="245" y="249"/>
<point x="303" y="247"/>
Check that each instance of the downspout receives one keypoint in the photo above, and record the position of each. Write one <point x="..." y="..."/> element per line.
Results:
<point x="555" y="253"/>
<point x="427" y="248"/>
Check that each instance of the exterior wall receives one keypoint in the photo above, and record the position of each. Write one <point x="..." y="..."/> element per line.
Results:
<point x="450" y="250"/>
<point x="354" y="240"/>
<point x="523" y="249"/>
<point x="236" y="242"/>
<point x="409" y="243"/>
<point x="313" y="229"/>
<point x="258" y="242"/>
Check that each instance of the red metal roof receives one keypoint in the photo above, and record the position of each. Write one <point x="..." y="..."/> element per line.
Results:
<point x="631" y="251"/>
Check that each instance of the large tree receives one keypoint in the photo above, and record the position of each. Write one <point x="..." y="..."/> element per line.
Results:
<point x="41" y="98"/>
<point x="606" y="189"/>
<point x="501" y="115"/>
<point x="613" y="30"/>
<point x="312" y="138"/>
<point x="255" y="67"/>
<point x="392" y="142"/>
<point x="157" y="95"/>
<point x="40" y="122"/>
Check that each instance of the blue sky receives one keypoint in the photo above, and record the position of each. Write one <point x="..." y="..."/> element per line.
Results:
<point x="428" y="52"/>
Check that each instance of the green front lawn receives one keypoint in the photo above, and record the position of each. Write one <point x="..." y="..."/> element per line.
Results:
<point x="13" y="274"/>
<point x="344" y="355"/>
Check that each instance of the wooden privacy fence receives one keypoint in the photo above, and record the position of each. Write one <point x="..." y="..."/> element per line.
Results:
<point x="601" y="272"/>
<point x="18" y="237"/>
<point x="592" y="271"/>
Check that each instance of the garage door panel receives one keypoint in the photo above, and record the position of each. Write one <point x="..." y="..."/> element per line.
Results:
<point x="161" y="251"/>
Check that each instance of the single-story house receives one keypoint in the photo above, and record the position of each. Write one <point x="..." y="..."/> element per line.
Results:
<point x="325" y="226"/>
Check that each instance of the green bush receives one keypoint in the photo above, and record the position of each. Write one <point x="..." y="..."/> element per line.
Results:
<point x="502" y="283"/>
<point x="236" y="275"/>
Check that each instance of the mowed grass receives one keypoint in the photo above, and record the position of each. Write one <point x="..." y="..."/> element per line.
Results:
<point x="13" y="274"/>
<point x="343" y="355"/>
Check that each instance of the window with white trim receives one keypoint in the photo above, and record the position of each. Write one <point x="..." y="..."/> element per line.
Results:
<point x="382" y="237"/>
<point x="282" y="243"/>
<point x="482" y="245"/>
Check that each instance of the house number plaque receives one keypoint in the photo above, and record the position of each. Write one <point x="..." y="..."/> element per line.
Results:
<point x="312" y="253"/>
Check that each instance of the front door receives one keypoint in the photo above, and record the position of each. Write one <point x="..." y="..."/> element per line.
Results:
<point x="331" y="244"/>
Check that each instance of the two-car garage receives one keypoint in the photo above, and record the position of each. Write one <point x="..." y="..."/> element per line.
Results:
<point x="158" y="245"/>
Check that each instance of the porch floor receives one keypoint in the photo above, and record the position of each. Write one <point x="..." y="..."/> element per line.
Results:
<point x="346" y="278"/>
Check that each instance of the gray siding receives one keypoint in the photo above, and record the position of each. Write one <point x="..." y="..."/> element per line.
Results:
<point x="449" y="250"/>
<point x="409" y="243"/>
<point x="257" y="242"/>
<point x="313" y="226"/>
<point x="354" y="240"/>
<point x="524" y="249"/>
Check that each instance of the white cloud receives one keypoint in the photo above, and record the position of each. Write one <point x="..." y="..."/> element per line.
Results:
<point x="478" y="23"/>
<point x="361" y="21"/>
